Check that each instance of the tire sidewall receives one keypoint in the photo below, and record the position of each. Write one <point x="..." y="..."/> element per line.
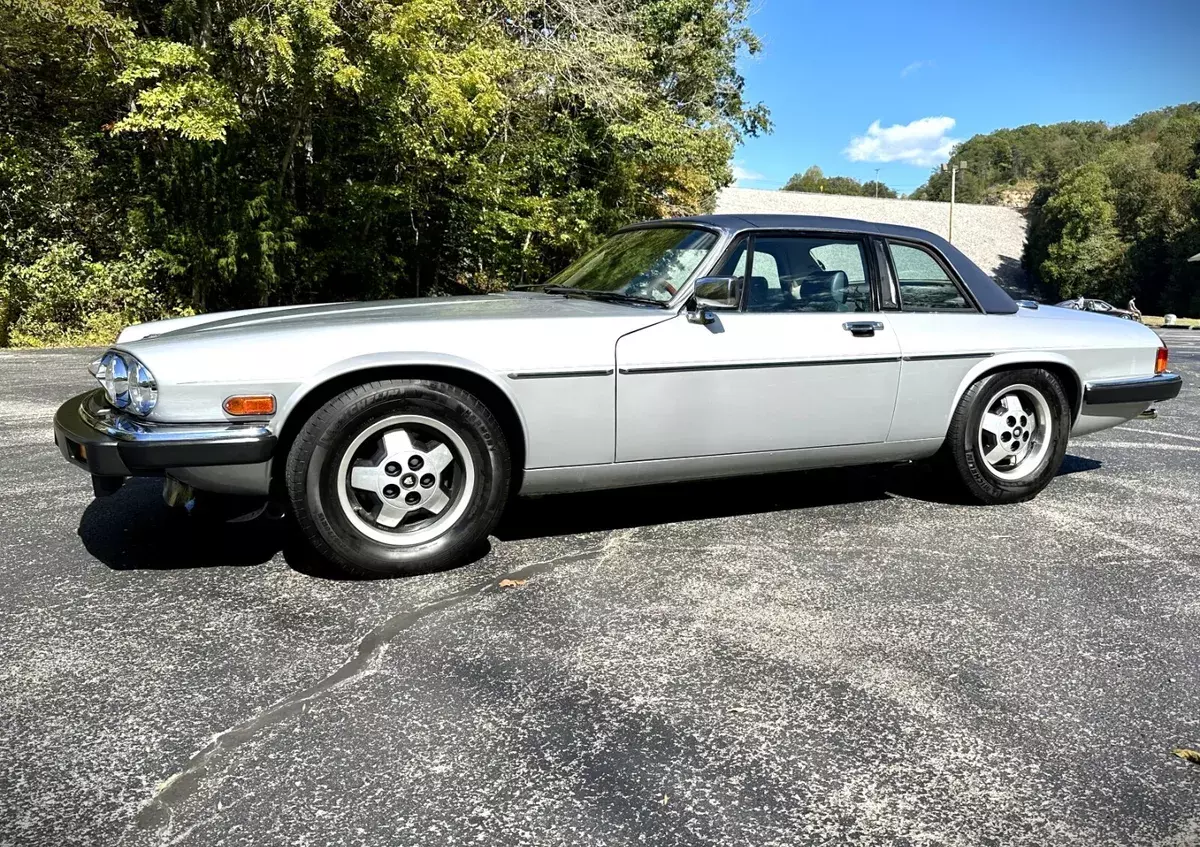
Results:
<point x="349" y="414"/>
<point x="980" y="476"/>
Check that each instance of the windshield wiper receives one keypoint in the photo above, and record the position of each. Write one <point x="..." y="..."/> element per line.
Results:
<point x="610" y="296"/>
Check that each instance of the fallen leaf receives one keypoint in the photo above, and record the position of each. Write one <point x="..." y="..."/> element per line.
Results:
<point x="665" y="798"/>
<point x="1187" y="755"/>
<point x="512" y="583"/>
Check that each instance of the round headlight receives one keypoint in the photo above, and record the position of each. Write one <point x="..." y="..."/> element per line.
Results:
<point x="127" y="383"/>
<point x="113" y="375"/>
<point x="143" y="391"/>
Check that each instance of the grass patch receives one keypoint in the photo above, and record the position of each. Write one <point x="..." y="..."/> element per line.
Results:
<point x="1157" y="321"/>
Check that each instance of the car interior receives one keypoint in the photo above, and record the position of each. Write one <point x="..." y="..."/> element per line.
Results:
<point x="807" y="275"/>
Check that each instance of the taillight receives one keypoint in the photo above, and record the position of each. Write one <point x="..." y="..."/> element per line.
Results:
<point x="1160" y="360"/>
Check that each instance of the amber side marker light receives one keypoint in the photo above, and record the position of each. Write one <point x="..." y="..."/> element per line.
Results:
<point x="1160" y="360"/>
<point x="254" y="404"/>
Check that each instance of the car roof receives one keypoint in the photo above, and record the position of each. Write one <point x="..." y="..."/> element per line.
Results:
<point x="991" y="297"/>
<point x="737" y="223"/>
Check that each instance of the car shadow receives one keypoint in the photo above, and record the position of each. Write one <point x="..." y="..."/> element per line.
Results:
<point x="134" y="530"/>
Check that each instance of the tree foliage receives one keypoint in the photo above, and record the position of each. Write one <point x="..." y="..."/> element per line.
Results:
<point x="197" y="154"/>
<point x="1115" y="212"/>
<point x="814" y="181"/>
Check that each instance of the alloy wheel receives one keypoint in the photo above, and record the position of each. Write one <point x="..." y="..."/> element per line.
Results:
<point x="405" y="480"/>
<point x="1015" y="432"/>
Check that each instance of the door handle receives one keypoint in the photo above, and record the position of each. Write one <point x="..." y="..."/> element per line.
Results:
<point x="862" y="329"/>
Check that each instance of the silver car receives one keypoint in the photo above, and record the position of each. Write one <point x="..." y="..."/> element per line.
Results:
<point x="395" y="432"/>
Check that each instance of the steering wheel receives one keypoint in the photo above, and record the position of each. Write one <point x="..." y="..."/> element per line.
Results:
<point x="670" y="288"/>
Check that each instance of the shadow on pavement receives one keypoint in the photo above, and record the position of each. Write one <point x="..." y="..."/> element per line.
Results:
<point x="135" y="530"/>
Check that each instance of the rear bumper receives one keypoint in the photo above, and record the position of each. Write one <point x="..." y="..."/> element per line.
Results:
<point x="1141" y="389"/>
<point x="107" y="443"/>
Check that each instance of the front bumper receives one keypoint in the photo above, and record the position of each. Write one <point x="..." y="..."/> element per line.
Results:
<point x="1138" y="389"/>
<point x="107" y="443"/>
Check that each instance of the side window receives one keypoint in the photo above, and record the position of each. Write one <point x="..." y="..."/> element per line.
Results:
<point x="924" y="286"/>
<point x="735" y="262"/>
<point x="808" y="274"/>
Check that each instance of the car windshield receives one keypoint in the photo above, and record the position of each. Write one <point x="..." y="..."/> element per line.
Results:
<point x="639" y="264"/>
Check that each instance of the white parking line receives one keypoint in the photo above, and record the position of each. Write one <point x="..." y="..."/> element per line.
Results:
<point x="1158" y="432"/>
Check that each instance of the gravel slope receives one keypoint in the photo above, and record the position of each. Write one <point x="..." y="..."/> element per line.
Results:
<point x="992" y="236"/>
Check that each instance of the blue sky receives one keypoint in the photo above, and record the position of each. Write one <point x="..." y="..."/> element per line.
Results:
<point x="855" y="86"/>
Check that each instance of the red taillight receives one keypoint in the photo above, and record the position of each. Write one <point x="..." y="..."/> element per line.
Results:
<point x="1160" y="360"/>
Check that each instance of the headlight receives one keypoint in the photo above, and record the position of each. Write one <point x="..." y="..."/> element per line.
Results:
<point x="126" y="381"/>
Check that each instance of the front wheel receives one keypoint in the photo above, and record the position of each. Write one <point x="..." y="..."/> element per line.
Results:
<point x="398" y="477"/>
<point x="1008" y="435"/>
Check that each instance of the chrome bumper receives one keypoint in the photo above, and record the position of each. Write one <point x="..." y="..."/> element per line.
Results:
<point x="107" y="443"/>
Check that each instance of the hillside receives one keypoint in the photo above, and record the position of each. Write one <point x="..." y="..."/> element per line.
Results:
<point x="991" y="236"/>
<point x="1113" y="211"/>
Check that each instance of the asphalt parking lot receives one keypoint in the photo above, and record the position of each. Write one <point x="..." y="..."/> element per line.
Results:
<point x="814" y="658"/>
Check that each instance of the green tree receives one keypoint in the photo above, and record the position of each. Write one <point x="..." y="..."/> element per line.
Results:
<point x="814" y="181"/>
<point x="811" y="180"/>
<point x="1084" y="255"/>
<point x="237" y="154"/>
<point x="872" y="188"/>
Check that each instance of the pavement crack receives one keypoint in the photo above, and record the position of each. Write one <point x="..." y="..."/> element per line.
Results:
<point x="156" y="813"/>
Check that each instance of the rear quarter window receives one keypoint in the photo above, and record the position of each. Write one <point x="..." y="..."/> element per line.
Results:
<point x="924" y="285"/>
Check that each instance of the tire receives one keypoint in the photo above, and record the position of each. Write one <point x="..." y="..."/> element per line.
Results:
<point x="979" y="453"/>
<point x="366" y="455"/>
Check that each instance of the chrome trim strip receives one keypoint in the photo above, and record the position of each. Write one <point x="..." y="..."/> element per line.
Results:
<point x="126" y="428"/>
<point x="1164" y="378"/>
<point x="744" y="366"/>
<point x="558" y="374"/>
<point x="929" y="357"/>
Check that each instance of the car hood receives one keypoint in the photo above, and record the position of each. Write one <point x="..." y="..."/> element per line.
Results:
<point x="489" y="307"/>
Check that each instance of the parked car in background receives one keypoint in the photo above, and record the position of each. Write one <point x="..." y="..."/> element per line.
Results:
<point x="702" y="347"/>
<point x="1101" y="307"/>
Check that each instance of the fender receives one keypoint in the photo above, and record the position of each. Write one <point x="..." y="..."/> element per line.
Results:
<point x="372" y="361"/>
<point x="1022" y="358"/>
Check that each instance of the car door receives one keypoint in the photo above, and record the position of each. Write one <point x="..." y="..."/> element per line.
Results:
<point x="942" y="334"/>
<point x="806" y="360"/>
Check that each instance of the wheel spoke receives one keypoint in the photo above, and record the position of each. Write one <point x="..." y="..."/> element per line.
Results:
<point x="365" y="477"/>
<point x="390" y="514"/>
<point x="397" y="443"/>
<point x="993" y="456"/>
<point x="436" y="502"/>
<point x="438" y="458"/>
<point x="1012" y="404"/>
<point x="993" y="424"/>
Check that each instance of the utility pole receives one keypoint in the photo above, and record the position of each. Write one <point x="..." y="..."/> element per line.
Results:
<point x="953" y="180"/>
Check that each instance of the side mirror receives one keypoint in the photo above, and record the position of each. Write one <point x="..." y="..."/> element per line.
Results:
<point x="718" y="292"/>
<point x="713" y="292"/>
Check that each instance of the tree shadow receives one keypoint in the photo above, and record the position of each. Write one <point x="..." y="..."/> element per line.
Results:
<point x="1011" y="275"/>
<point x="134" y="530"/>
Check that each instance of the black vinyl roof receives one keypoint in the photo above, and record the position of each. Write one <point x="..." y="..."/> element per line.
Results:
<point x="991" y="297"/>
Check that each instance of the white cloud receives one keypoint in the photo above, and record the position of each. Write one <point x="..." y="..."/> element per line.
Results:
<point x="913" y="67"/>
<point x="742" y="174"/>
<point x="923" y="142"/>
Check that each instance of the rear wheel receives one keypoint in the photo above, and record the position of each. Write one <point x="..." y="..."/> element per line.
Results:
<point x="398" y="477"/>
<point x="1008" y="436"/>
